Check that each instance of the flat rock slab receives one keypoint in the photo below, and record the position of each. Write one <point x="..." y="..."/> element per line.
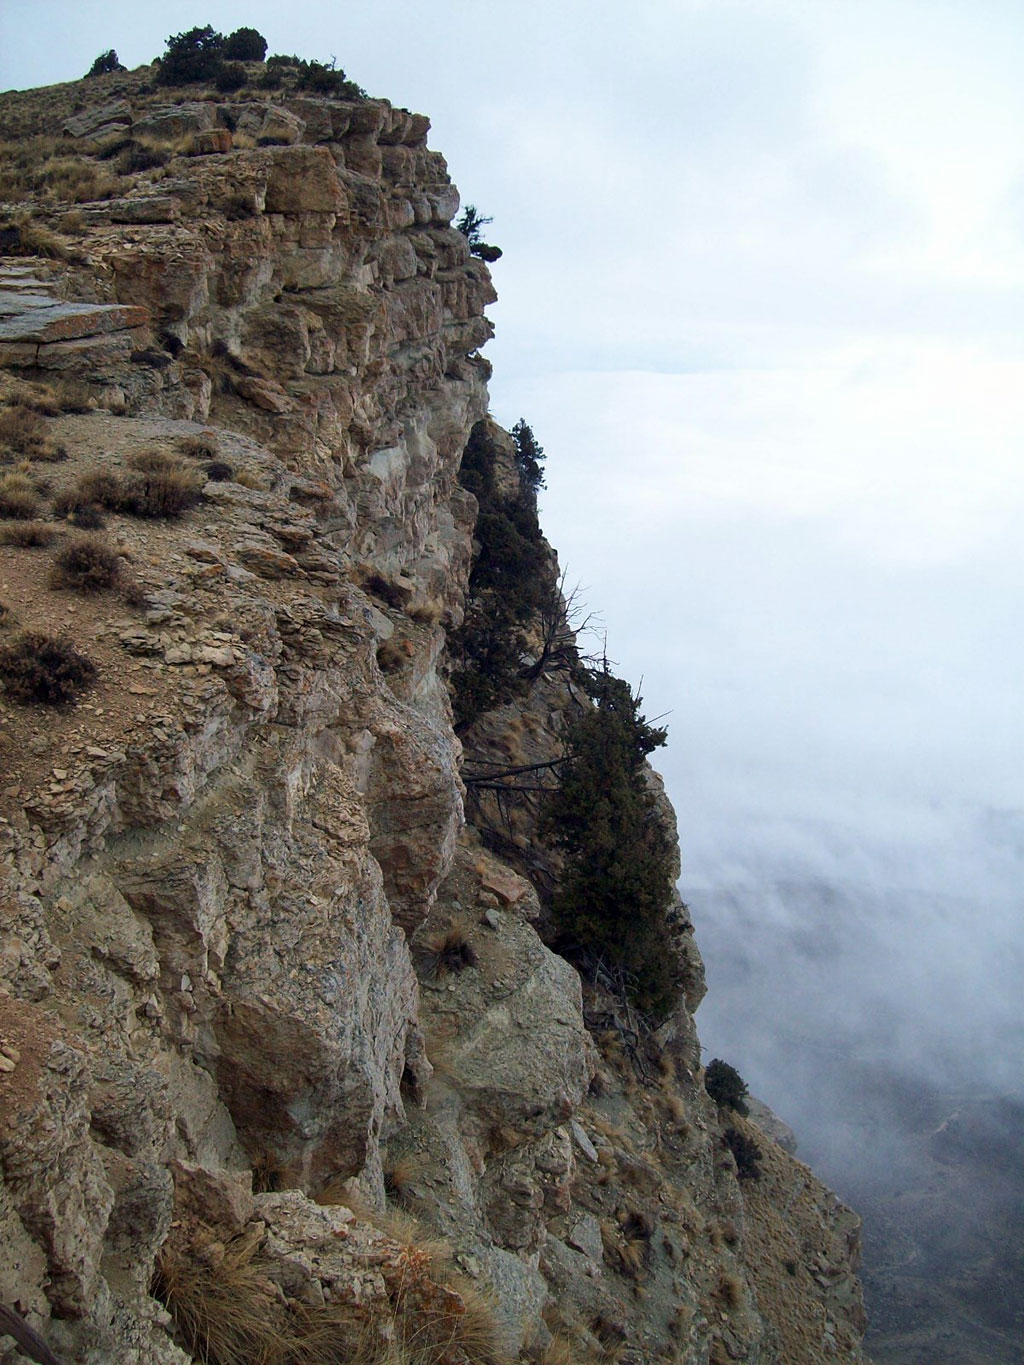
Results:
<point x="149" y="208"/>
<point x="120" y="112"/>
<point x="96" y="356"/>
<point x="36" y="318"/>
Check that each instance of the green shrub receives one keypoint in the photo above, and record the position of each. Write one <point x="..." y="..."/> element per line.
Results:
<point x="230" y="77"/>
<point x="726" y="1086"/>
<point x="746" y="1153"/>
<point x="245" y="45"/>
<point x="87" y="564"/>
<point x="133" y="157"/>
<point x="326" y="80"/>
<point x="40" y="668"/>
<point x="104" y="64"/>
<point x="611" y="903"/>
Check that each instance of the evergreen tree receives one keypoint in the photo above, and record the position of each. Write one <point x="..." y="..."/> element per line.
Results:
<point x="726" y="1086"/>
<point x="616" y="887"/>
<point x="245" y="45"/>
<point x="529" y="455"/>
<point x="105" y="63"/>
<point x="470" y="225"/>
<point x="192" y="56"/>
<point x="510" y="584"/>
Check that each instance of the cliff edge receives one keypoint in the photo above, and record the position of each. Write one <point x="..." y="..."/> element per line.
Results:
<point x="287" y="1070"/>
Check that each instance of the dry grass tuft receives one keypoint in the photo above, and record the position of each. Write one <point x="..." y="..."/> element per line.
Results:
<point x="18" y="498"/>
<point x="729" y="1290"/>
<point x="160" y="486"/>
<point x="400" y="1177"/>
<point x="27" y="535"/>
<point x="249" y="480"/>
<point x="21" y="428"/>
<point x="448" y="953"/>
<point x="26" y="238"/>
<point x="230" y="1312"/>
<point x="201" y="447"/>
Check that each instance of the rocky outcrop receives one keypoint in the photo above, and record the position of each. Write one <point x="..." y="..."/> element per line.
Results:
<point x="260" y="984"/>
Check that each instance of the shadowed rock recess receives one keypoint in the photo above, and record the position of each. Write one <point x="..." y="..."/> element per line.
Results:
<point x="287" y="1071"/>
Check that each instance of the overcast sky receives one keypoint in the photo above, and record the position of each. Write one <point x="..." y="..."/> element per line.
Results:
<point x="761" y="301"/>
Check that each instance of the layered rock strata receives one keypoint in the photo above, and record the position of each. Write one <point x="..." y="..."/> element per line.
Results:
<point x="224" y="873"/>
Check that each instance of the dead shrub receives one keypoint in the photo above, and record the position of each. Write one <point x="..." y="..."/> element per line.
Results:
<point x="41" y="668"/>
<point x="101" y="487"/>
<point x="27" y="535"/>
<point x="86" y="564"/>
<point x="133" y="594"/>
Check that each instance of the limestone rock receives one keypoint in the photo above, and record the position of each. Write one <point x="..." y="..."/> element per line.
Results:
<point x="248" y="942"/>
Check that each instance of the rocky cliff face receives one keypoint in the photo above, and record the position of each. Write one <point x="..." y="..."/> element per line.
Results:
<point x="272" y="1015"/>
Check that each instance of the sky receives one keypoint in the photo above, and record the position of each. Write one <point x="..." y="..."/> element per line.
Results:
<point x="761" y="302"/>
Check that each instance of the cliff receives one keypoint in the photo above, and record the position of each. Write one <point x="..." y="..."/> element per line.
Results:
<point x="273" y="1017"/>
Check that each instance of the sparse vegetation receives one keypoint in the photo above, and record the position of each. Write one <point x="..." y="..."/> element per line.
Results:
<point x="156" y="485"/>
<point x="40" y="668"/>
<point x="86" y="564"/>
<point x="726" y="1086"/>
<point x="19" y="499"/>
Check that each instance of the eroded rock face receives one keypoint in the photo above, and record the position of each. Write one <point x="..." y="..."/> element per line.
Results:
<point x="257" y="980"/>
